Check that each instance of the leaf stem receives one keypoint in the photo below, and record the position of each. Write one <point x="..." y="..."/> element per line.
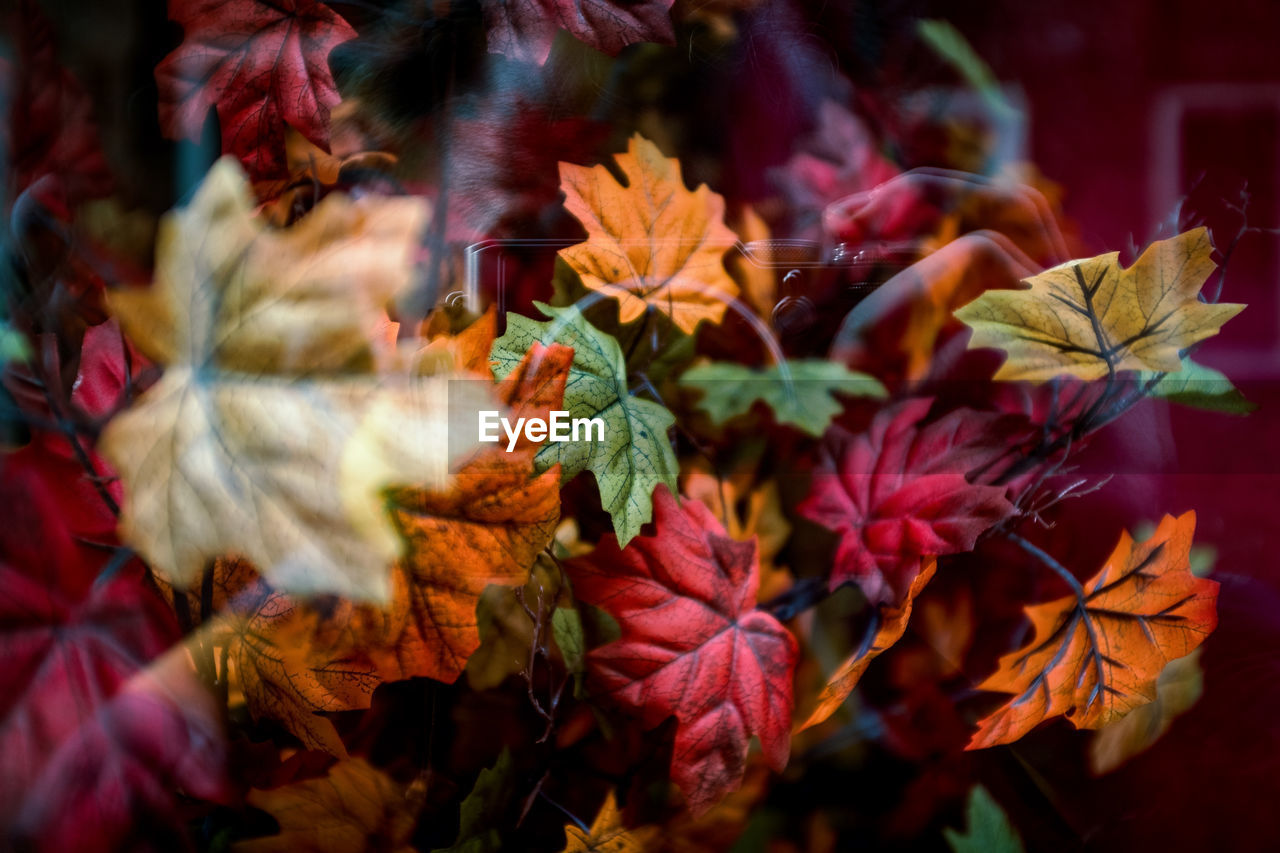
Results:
<point x="1048" y="560"/>
<point x="806" y="593"/>
<point x="1082" y="605"/>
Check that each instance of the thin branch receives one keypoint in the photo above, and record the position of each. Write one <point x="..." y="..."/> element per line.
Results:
<point x="1052" y="563"/>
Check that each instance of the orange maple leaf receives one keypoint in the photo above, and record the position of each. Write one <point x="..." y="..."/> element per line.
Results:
<point x="651" y="243"/>
<point x="1096" y="654"/>
<point x="487" y="529"/>
<point x="291" y="661"/>
<point x="893" y="624"/>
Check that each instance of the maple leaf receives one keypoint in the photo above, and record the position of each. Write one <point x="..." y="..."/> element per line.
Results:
<point x="262" y="65"/>
<point x="892" y="621"/>
<point x="292" y="662"/>
<point x="1096" y="654"/>
<point x="761" y="517"/>
<point x="1090" y="318"/>
<point x="269" y="437"/>
<point x="487" y="529"/>
<point x="635" y="455"/>
<point x="525" y="29"/>
<point x="97" y="725"/>
<point x="1178" y="688"/>
<point x="607" y="834"/>
<point x="897" y="494"/>
<point x="800" y="393"/>
<point x="693" y="646"/>
<point x="650" y="243"/>
<point x="355" y="807"/>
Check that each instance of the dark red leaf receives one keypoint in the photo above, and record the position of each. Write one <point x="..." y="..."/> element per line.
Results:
<point x="95" y="732"/>
<point x="898" y="493"/>
<point x="262" y="65"/>
<point x="693" y="646"/>
<point x="524" y="29"/>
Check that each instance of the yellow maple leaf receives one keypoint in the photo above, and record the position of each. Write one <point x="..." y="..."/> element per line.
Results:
<point x="1090" y="318"/>
<point x="272" y="434"/>
<point x="651" y="243"/>
<point x="608" y="834"/>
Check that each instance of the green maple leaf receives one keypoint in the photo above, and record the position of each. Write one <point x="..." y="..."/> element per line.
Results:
<point x="482" y="810"/>
<point x="635" y="455"/>
<point x="800" y="393"/>
<point x="987" y="830"/>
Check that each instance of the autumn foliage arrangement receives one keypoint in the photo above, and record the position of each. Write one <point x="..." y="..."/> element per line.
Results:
<point x="263" y="588"/>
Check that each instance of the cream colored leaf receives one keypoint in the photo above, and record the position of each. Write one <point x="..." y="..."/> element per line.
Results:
<point x="1090" y="317"/>
<point x="269" y="437"/>
<point x="233" y="293"/>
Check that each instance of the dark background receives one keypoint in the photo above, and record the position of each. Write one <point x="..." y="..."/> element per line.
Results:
<point x="1129" y="105"/>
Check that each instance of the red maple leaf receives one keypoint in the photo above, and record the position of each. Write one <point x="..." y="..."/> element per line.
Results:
<point x="95" y="734"/>
<point x="524" y="29"/>
<point x="262" y="65"/>
<point x="693" y="646"/>
<point x="898" y="493"/>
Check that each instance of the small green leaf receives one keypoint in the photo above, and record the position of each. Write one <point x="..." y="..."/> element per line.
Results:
<point x="1199" y="387"/>
<point x="987" y="827"/>
<point x="946" y="41"/>
<point x="482" y="811"/>
<point x="635" y="455"/>
<point x="566" y="628"/>
<point x="801" y="393"/>
<point x="13" y="346"/>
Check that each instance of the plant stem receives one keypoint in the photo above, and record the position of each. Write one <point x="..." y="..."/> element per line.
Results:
<point x="1049" y="560"/>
